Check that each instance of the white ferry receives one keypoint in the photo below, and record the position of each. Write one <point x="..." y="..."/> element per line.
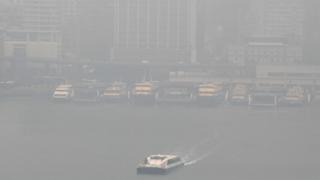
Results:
<point x="160" y="164"/>
<point x="63" y="92"/>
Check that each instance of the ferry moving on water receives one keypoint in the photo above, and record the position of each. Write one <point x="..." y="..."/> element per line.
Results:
<point x="209" y="93"/>
<point x="63" y="92"/>
<point x="160" y="164"/>
<point x="144" y="92"/>
<point x="116" y="92"/>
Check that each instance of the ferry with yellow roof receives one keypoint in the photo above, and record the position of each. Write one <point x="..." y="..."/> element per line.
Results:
<point x="144" y="92"/>
<point x="239" y="94"/>
<point x="116" y="92"/>
<point x="63" y="92"/>
<point x="294" y="96"/>
<point x="210" y="93"/>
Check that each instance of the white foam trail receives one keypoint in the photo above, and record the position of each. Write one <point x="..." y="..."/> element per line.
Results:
<point x="189" y="163"/>
<point x="188" y="154"/>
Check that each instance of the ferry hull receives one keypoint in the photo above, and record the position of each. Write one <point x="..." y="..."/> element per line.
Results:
<point x="157" y="171"/>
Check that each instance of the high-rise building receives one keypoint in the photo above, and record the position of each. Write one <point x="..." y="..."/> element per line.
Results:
<point x="161" y="30"/>
<point x="94" y="29"/>
<point x="220" y="26"/>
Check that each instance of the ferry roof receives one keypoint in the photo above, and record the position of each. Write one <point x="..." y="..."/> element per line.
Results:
<point x="159" y="159"/>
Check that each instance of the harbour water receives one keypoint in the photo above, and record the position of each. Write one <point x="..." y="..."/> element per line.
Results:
<point x="43" y="140"/>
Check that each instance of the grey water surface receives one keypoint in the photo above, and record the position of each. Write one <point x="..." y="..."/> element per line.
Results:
<point x="43" y="140"/>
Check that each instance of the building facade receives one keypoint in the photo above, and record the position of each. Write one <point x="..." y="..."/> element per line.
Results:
<point x="94" y="29"/>
<point x="273" y="32"/>
<point x="158" y="30"/>
<point x="37" y="33"/>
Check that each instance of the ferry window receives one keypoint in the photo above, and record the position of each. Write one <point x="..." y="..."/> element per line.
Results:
<point x="157" y="158"/>
<point x="171" y="161"/>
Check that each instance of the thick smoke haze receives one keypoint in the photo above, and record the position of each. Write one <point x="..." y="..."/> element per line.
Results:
<point x="135" y="89"/>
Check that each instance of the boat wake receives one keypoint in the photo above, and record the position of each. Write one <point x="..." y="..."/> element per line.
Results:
<point x="200" y="158"/>
<point x="200" y="151"/>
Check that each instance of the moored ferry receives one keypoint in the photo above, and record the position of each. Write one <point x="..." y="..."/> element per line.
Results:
<point x="210" y="93"/>
<point x="116" y="92"/>
<point x="295" y="96"/>
<point x="144" y="92"/>
<point x="63" y="92"/>
<point x="160" y="164"/>
<point x="239" y="95"/>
